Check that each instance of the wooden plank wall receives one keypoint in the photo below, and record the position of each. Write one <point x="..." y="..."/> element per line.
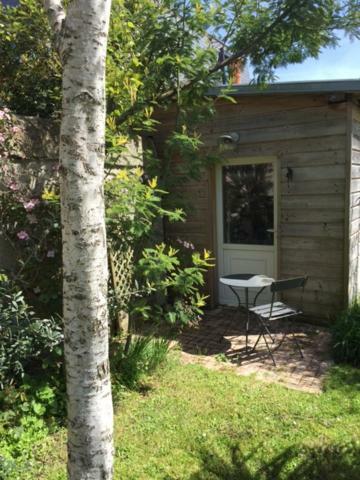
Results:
<point x="308" y="135"/>
<point x="354" y="207"/>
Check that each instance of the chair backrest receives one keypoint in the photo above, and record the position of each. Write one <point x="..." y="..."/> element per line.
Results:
<point x="282" y="285"/>
<point x="288" y="284"/>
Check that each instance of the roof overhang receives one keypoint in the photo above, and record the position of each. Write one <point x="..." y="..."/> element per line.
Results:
<point x="292" y="88"/>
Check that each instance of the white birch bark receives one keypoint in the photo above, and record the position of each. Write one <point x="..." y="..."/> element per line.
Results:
<point x="82" y="37"/>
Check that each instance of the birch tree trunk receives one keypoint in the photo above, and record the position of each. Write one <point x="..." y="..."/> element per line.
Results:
<point x="82" y="38"/>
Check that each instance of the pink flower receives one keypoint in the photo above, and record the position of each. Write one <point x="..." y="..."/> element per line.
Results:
<point x="4" y="114"/>
<point x="30" y="204"/>
<point x="2" y="138"/>
<point x="13" y="186"/>
<point x="228" y="179"/>
<point x="16" y="129"/>
<point x="23" y="235"/>
<point x="50" y="254"/>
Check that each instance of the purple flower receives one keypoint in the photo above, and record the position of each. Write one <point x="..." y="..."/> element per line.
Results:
<point x="50" y="254"/>
<point x="23" y="235"/>
<point x="186" y="244"/>
<point x="30" y="204"/>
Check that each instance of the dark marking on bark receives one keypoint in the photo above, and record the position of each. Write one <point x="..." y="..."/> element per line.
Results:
<point x="70" y="277"/>
<point x="86" y="97"/>
<point x="70" y="171"/>
<point x="97" y="229"/>
<point x="103" y="370"/>
<point x="97" y="147"/>
<point x="73" y="206"/>
<point x="99" y="325"/>
<point x="89" y="169"/>
<point x="66" y="54"/>
<point x="62" y="171"/>
<point x="79" y="296"/>
<point x="66" y="139"/>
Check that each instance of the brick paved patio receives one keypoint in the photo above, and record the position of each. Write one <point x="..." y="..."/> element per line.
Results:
<point x="218" y="342"/>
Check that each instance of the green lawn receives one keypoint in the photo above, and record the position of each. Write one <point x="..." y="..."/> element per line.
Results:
<point x="196" y="424"/>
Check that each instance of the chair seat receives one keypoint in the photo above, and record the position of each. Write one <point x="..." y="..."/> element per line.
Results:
<point x="279" y="310"/>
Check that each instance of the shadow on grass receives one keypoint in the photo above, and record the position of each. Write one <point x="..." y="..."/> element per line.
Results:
<point x="332" y="462"/>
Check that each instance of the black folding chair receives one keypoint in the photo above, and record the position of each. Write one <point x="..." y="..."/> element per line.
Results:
<point x="277" y="310"/>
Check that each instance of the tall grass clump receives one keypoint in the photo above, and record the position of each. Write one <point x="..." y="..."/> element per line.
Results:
<point x="132" y="361"/>
<point x="346" y="336"/>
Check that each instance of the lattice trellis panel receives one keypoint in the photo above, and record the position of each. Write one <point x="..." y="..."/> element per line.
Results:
<point x="121" y="268"/>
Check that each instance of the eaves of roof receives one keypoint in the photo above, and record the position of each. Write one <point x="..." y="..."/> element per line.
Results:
<point x="295" y="88"/>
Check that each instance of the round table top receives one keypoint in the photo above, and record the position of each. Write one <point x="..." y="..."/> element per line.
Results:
<point x="246" y="280"/>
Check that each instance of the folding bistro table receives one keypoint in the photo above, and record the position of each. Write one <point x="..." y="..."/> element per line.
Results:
<point x="246" y="281"/>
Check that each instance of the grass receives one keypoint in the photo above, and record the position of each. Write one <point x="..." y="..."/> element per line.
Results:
<point x="197" y="424"/>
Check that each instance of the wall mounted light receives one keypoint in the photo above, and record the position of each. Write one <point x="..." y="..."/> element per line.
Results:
<point x="228" y="140"/>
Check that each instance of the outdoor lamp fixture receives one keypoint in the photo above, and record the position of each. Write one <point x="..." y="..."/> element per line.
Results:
<point x="228" y="140"/>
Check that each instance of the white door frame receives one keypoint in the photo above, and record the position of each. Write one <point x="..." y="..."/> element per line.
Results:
<point x="219" y="209"/>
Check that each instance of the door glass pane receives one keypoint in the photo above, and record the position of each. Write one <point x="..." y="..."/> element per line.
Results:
<point x="248" y="200"/>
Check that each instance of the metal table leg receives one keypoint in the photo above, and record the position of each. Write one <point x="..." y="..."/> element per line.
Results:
<point x="247" y="313"/>
<point x="256" y="296"/>
<point x="236" y="295"/>
<point x="247" y="318"/>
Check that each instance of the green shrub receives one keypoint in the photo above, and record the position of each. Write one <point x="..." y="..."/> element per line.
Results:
<point x="166" y="282"/>
<point x="27" y="343"/>
<point x="28" y="414"/>
<point x="30" y="223"/>
<point x="346" y="336"/>
<point x="130" y="363"/>
<point x="30" y="70"/>
<point x="174" y="285"/>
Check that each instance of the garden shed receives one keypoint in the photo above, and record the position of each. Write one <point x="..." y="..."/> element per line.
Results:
<point x="284" y="200"/>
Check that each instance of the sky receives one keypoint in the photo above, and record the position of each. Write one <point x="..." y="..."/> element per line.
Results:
<point x="342" y="62"/>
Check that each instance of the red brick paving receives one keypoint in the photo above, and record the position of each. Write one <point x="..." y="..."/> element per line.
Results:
<point x="218" y="342"/>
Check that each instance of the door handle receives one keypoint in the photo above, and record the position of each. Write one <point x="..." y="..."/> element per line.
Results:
<point x="270" y="230"/>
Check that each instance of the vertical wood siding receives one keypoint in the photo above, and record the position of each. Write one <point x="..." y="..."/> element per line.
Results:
<point x="307" y="135"/>
<point x="354" y="207"/>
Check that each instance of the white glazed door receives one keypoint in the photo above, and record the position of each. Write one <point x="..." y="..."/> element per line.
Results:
<point x="246" y="217"/>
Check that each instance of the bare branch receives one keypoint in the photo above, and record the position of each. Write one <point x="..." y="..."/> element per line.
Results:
<point x="245" y="51"/>
<point x="56" y="15"/>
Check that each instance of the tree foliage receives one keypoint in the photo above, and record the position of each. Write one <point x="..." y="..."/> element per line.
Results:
<point x="30" y="71"/>
<point x="159" y="51"/>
